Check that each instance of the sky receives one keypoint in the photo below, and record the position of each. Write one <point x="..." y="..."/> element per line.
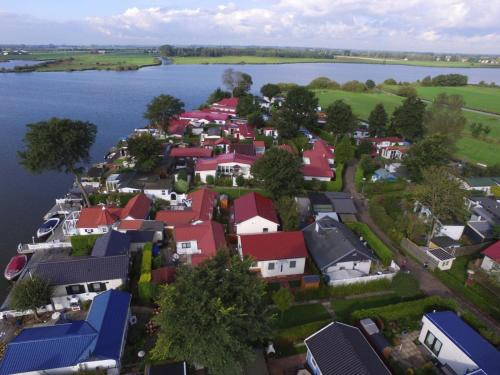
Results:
<point x="467" y="26"/>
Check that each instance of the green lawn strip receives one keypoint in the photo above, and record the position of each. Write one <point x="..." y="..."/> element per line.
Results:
<point x="382" y="251"/>
<point x="337" y="184"/>
<point x="475" y="293"/>
<point x="82" y="245"/>
<point x="344" y="307"/>
<point x="237" y="192"/>
<point x="295" y="335"/>
<point x="301" y="314"/>
<point x="246" y="60"/>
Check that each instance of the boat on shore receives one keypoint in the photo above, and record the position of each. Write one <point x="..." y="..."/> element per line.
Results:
<point x="15" y="266"/>
<point x="47" y="227"/>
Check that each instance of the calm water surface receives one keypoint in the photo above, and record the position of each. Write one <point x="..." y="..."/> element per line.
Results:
<point x="115" y="102"/>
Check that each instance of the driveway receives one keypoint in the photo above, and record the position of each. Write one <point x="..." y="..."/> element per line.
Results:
<point x="428" y="282"/>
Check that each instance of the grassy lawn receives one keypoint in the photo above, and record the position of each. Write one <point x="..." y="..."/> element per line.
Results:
<point x="246" y="60"/>
<point x="236" y="192"/>
<point x="74" y="61"/>
<point x="344" y="307"/>
<point x="302" y="314"/>
<point x="479" y="150"/>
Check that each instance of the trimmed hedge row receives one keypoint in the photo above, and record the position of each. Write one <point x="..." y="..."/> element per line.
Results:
<point x="325" y="291"/>
<point x="382" y="251"/>
<point x="82" y="245"/>
<point x="145" y="288"/>
<point x="299" y="333"/>
<point x="337" y="184"/>
<point x="407" y="310"/>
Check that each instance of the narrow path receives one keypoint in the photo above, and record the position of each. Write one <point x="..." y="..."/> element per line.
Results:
<point x="428" y="283"/>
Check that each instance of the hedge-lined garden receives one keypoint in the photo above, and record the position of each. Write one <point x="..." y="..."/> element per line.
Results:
<point x="82" y="245"/>
<point x="145" y="287"/>
<point x="382" y="251"/>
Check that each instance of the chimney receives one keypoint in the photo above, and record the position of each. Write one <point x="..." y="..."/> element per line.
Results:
<point x="317" y="227"/>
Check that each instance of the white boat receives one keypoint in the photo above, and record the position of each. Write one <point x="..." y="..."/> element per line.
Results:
<point x="48" y="227"/>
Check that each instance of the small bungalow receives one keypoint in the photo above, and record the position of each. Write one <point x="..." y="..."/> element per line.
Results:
<point x="198" y="242"/>
<point x="96" y="343"/>
<point x="441" y="258"/>
<point x="93" y="220"/>
<point x="491" y="260"/>
<point x="260" y="147"/>
<point x="318" y="162"/>
<point x="480" y="183"/>
<point x="190" y="152"/>
<point x="275" y="254"/>
<point x="485" y="215"/>
<point x="341" y="349"/>
<point x="444" y="242"/>
<point x="253" y="213"/>
<point x="232" y="165"/>
<point x="459" y="349"/>
<point x="240" y="130"/>
<point x="177" y="128"/>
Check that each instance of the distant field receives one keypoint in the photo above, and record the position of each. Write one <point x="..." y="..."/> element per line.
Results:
<point x="479" y="150"/>
<point x="476" y="97"/>
<point x="442" y="64"/>
<point x="246" y="60"/>
<point x="72" y="61"/>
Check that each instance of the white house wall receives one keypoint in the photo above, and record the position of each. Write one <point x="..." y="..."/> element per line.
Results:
<point x="256" y="225"/>
<point x="278" y="271"/>
<point x="362" y="266"/>
<point x="487" y="263"/>
<point x="450" y="354"/>
<point x="193" y="249"/>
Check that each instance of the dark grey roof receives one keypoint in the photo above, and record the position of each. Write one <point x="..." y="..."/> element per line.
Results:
<point x="140" y="236"/>
<point x="153" y="225"/>
<point x="445" y="242"/>
<point x="318" y="198"/>
<point x="441" y="254"/>
<point x="83" y="269"/>
<point x="329" y="242"/>
<point x="340" y="349"/>
<point x="489" y="210"/>
<point x="145" y="181"/>
<point x="111" y="243"/>
<point x="483" y="227"/>
<point x="342" y="203"/>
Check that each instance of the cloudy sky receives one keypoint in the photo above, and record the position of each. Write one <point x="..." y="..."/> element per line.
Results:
<point x="413" y="25"/>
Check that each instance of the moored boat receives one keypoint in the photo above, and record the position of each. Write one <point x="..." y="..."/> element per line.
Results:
<point x="15" y="266"/>
<point x="48" y="227"/>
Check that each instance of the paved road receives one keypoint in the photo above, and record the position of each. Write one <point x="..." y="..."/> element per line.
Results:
<point x="428" y="282"/>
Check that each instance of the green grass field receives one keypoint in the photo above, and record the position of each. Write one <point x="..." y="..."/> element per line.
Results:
<point x="74" y="61"/>
<point x="442" y="64"/>
<point x="481" y="98"/>
<point x="246" y="60"/>
<point x="479" y="150"/>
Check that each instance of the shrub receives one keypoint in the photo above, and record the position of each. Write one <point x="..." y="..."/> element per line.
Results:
<point x="354" y="86"/>
<point x="283" y="299"/>
<point x="181" y="186"/>
<point x="210" y="180"/>
<point x="182" y="175"/>
<point x="382" y="251"/>
<point x="390" y="81"/>
<point x="407" y="91"/>
<point x="82" y="245"/>
<point x="407" y="310"/>
<point x="224" y="181"/>
<point x="145" y="288"/>
<point x="240" y="180"/>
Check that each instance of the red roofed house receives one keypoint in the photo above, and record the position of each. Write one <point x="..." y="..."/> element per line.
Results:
<point x="227" y="105"/>
<point x="253" y="213"/>
<point x="260" y="147"/>
<point x="190" y="152"/>
<point x="239" y="130"/>
<point x="491" y="260"/>
<point x="394" y="152"/>
<point x="232" y="164"/>
<point x="275" y="254"/>
<point x="136" y="208"/>
<point x="318" y="162"/>
<point x="222" y="144"/>
<point x="177" y="128"/>
<point x="270" y="132"/>
<point x="379" y="144"/>
<point x="202" y="205"/>
<point x="205" y="117"/>
<point x="196" y="243"/>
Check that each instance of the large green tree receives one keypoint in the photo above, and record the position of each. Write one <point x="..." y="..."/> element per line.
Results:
<point x="162" y="109"/>
<point x="378" y="121"/>
<point x="213" y="315"/>
<point x="344" y="151"/>
<point x="289" y="213"/>
<point x="238" y="83"/>
<point x="442" y="194"/>
<point x="247" y="104"/>
<point x="61" y="145"/>
<point x="217" y="95"/>
<point x="433" y="150"/>
<point x="300" y="107"/>
<point x="287" y="128"/>
<point x="408" y="119"/>
<point x="270" y="90"/>
<point x="340" y="119"/>
<point x="279" y="171"/>
<point x="31" y="293"/>
<point x="146" y="150"/>
<point x="445" y="117"/>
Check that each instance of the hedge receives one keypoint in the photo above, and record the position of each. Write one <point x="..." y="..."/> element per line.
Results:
<point x="407" y="310"/>
<point x="82" y="245"/>
<point x="299" y="333"/>
<point x="145" y="288"/>
<point x="358" y="177"/>
<point x="337" y="184"/>
<point x="325" y="291"/>
<point x="382" y="251"/>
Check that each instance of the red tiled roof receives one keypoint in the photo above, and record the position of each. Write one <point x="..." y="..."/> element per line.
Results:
<point x="253" y="204"/>
<point x="190" y="152"/>
<point x="177" y="127"/>
<point x="259" y="144"/>
<point x="318" y="160"/>
<point x="227" y="102"/>
<point x="137" y="208"/>
<point x="133" y="224"/>
<point x="205" y="115"/>
<point x="493" y="251"/>
<point x="273" y="246"/>
<point x="93" y="217"/>
<point x="209" y="236"/>
<point x="202" y="206"/>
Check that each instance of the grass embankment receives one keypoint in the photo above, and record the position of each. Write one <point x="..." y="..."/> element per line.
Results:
<point x="474" y="149"/>
<point x="193" y="60"/>
<point x="76" y="61"/>
<point x="441" y="64"/>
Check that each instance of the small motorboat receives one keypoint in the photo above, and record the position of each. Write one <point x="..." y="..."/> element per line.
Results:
<point x="15" y="266"/>
<point x="48" y="227"/>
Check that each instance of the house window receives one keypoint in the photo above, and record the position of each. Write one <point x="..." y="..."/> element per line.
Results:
<point x="293" y="263"/>
<point x="270" y="266"/>
<point x="89" y="230"/>
<point x="265" y="229"/>
<point x="104" y="229"/>
<point x="96" y="287"/>
<point x="186" y="245"/>
<point x="75" y="289"/>
<point x="254" y="264"/>
<point x="433" y="343"/>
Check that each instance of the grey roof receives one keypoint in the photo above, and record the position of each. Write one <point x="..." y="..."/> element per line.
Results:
<point x="482" y="181"/>
<point x="329" y="242"/>
<point x="441" y="254"/>
<point x="482" y="227"/>
<point x="340" y="349"/>
<point x="489" y="209"/>
<point x="145" y="181"/>
<point x="111" y="243"/>
<point x="153" y="225"/>
<point x="83" y="269"/>
<point x="140" y="236"/>
<point x="342" y="203"/>
<point x="445" y="242"/>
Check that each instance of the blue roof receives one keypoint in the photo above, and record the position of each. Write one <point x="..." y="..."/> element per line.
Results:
<point x="111" y="243"/>
<point x="63" y="345"/>
<point x="485" y="355"/>
<point x="384" y="174"/>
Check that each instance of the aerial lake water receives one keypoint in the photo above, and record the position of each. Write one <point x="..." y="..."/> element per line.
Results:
<point x="115" y="102"/>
